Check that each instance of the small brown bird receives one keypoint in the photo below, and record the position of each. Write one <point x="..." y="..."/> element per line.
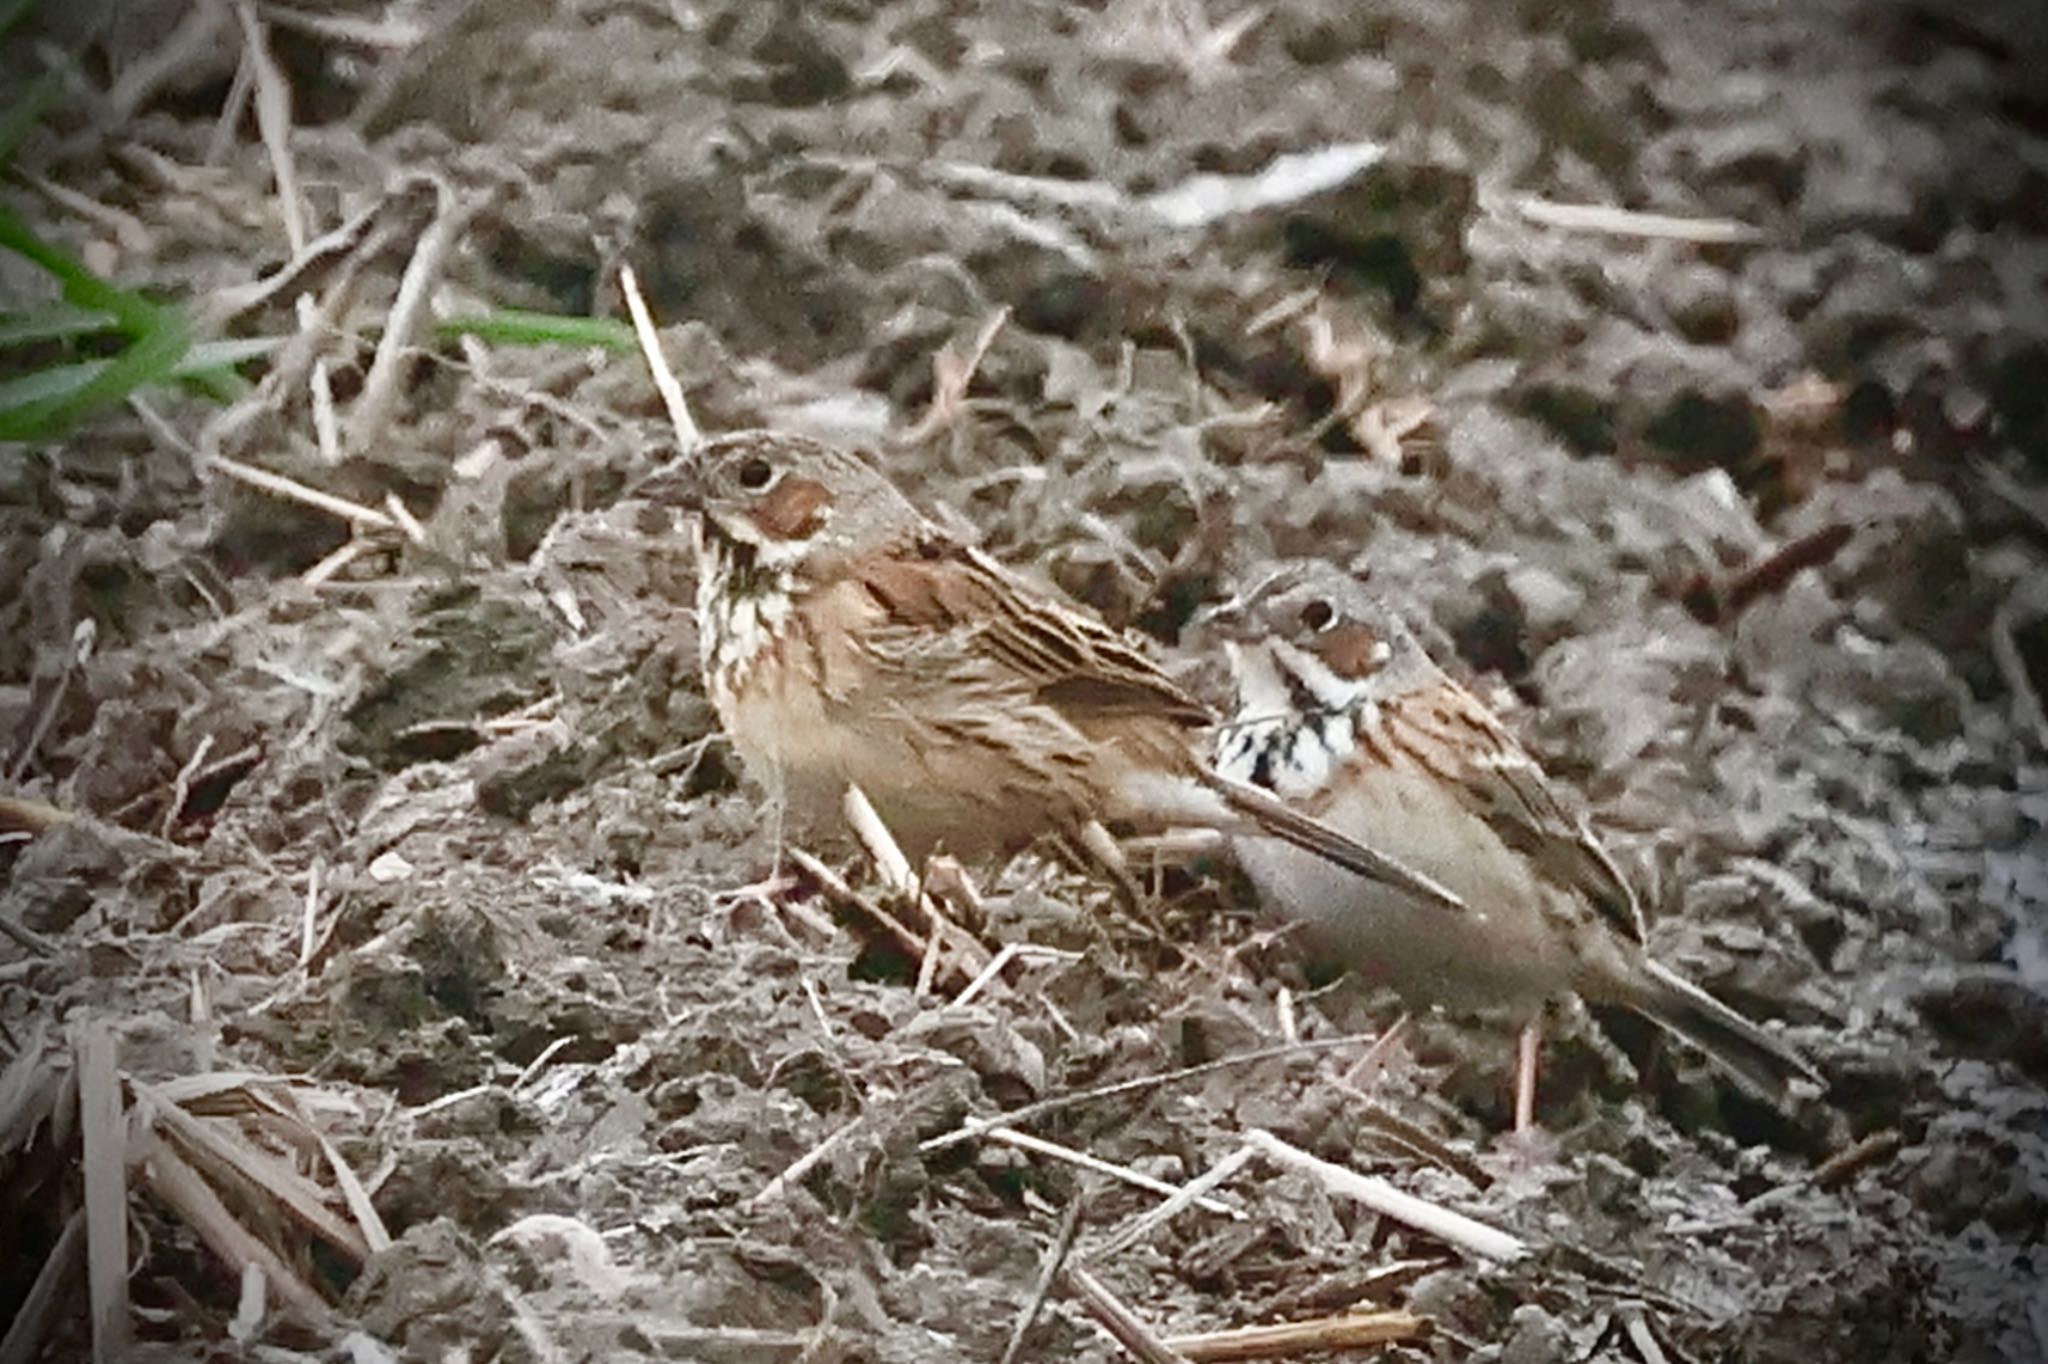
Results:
<point x="1341" y="712"/>
<point x="847" y="639"/>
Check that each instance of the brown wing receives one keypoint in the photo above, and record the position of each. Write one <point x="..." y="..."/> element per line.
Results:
<point x="1065" y="657"/>
<point x="1498" y="780"/>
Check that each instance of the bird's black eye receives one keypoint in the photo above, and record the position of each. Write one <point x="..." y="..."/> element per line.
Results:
<point x="756" y="474"/>
<point x="1318" y="615"/>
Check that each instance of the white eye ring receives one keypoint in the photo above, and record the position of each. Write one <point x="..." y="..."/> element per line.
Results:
<point x="1318" y="615"/>
<point x="756" y="475"/>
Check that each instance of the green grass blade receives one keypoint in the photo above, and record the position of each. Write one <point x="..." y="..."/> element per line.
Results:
<point x="58" y="396"/>
<point x="28" y="402"/>
<point x="59" y="323"/>
<point x="81" y="286"/>
<point x="518" y="327"/>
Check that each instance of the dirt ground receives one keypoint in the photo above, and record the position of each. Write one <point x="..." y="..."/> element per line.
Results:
<point x="390" y="837"/>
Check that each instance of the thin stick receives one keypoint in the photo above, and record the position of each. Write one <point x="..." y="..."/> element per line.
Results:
<point x="231" y="111"/>
<point x="181" y="1186"/>
<point x="345" y="554"/>
<point x="320" y="387"/>
<point x="881" y="844"/>
<point x="970" y="1130"/>
<point x="82" y="636"/>
<point x="402" y="517"/>
<point x="181" y="786"/>
<point x="1838" y="1169"/>
<point x="1528" y="1052"/>
<point x="1122" y="1324"/>
<point x="688" y="435"/>
<point x="225" y="304"/>
<point x="1367" y="1068"/>
<point x="928" y="966"/>
<point x="106" y="1189"/>
<point x="1454" y="1228"/>
<point x="836" y="886"/>
<point x="274" y="122"/>
<point x="26" y="937"/>
<point x="1348" y="1331"/>
<point x="269" y="482"/>
<point x="804" y="1163"/>
<point x="1141" y="1226"/>
<point x="1007" y="953"/>
<point x="379" y="398"/>
<point x="1639" y="1335"/>
<point x="1048" y="1274"/>
<point x="1004" y="956"/>
<point x="895" y="871"/>
<point x="1623" y="222"/>
<point x="309" y="920"/>
<point x="1024" y="1141"/>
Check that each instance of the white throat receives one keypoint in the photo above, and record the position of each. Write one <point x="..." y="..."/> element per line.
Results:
<point x="1295" y="722"/>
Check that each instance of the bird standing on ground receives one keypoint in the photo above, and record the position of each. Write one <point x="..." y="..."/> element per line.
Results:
<point x="848" y="640"/>
<point x="1341" y="713"/>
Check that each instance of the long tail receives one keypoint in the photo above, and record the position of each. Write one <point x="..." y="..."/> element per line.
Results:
<point x="1272" y="816"/>
<point x="1763" y="1064"/>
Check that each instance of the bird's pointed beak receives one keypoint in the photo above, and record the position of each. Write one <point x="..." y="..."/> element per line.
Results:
<point x="1226" y="621"/>
<point x="678" y="484"/>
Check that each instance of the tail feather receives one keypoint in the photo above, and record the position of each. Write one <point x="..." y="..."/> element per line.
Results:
<point x="1276" y="818"/>
<point x="1761" y="1062"/>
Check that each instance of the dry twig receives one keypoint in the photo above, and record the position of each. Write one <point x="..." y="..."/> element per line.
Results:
<point x="1124" y="1326"/>
<point x="1024" y="1141"/>
<point x="105" y="1128"/>
<point x="968" y="1131"/>
<point x="381" y="387"/>
<point x="1346" y="1331"/>
<point x="688" y="435"/>
<point x="1193" y="1191"/>
<point x="1048" y="1274"/>
<point x="1454" y="1228"/>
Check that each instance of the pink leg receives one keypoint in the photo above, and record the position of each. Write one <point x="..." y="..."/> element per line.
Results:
<point x="1526" y="1049"/>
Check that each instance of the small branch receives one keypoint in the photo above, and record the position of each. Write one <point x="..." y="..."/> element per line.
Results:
<point x="1709" y="603"/>
<point x="105" y="1130"/>
<point x="1007" y="953"/>
<point x="1349" y="1331"/>
<point x="1024" y="1141"/>
<point x="836" y="886"/>
<point x="881" y="844"/>
<point x="181" y="786"/>
<point x="1623" y="222"/>
<point x="1454" y="1228"/>
<point x="806" y="1162"/>
<point x="688" y="434"/>
<point x="188" y="1193"/>
<point x="274" y="122"/>
<point x="83" y="635"/>
<point x="1122" y="1324"/>
<point x="1028" y="1112"/>
<point x="353" y="512"/>
<point x="1048" y="1274"/>
<point x="379" y="398"/>
<point x="1141" y="1226"/>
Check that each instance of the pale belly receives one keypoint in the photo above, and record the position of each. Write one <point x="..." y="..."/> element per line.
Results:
<point x="1501" y="953"/>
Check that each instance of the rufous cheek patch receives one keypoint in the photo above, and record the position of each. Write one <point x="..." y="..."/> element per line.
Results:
<point x="1351" y="650"/>
<point x="792" y="509"/>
